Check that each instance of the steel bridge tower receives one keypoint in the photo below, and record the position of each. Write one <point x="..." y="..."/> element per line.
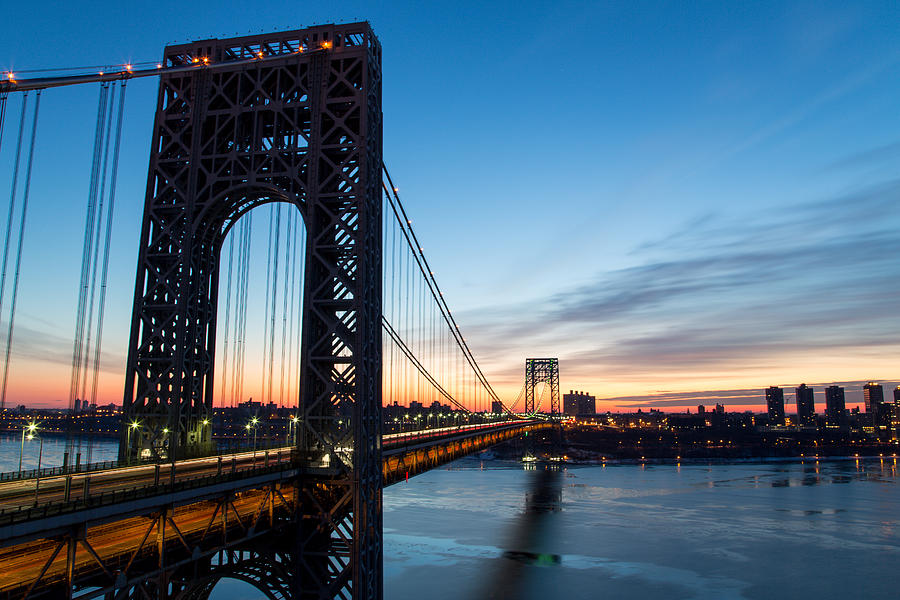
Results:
<point x="542" y="370"/>
<point x="289" y="117"/>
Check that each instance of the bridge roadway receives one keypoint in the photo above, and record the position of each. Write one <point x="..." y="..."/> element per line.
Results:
<point x="91" y="530"/>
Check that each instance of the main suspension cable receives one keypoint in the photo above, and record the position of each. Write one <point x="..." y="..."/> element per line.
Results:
<point x="392" y="333"/>
<point x="428" y="274"/>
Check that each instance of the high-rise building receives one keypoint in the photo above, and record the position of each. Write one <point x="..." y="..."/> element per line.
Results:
<point x="873" y="394"/>
<point x="775" y="405"/>
<point x="579" y="403"/>
<point x="895" y="415"/>
<point x="806" y="406"/>
<point x="835" y="407"/>
<point x="701" y="410"/>
<point x="497" y="407"/>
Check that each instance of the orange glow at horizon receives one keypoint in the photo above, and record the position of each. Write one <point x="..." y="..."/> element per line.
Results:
<point x="44" y="384"/>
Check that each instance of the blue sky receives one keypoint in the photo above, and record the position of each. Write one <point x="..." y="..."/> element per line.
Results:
<point x="672" y="198"/>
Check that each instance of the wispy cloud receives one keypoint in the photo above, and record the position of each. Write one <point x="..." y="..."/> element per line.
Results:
<point x="743" y="397"/>
<point x="32" y="344"/>
<point x="867" y="158"/>
<point x="725" y="295"/>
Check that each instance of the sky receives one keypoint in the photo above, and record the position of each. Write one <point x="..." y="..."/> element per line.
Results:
<point x="684" y="202"/>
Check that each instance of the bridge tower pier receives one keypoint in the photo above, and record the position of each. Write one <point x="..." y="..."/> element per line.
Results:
<point x="290" y="117"/>
<point x="537" y="371"/>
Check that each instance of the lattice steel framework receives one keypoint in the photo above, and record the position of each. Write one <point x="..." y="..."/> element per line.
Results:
<point x="542" y="370"/>
<point x="287" y="117"/>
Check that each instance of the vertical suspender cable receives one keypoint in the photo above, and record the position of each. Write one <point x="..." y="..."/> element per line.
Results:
<point x="301" y="269"/>
<point x="394" y="381"/>
<point x="284" y="307"/>
<point x="229" y="292"/>
<point x="420" y="388"/>
<point x="95" y="250"/>
<point x="78" y="342"/>
<point x="275" y="274"/>
<point x="235" y="323"/>
<point x="244" y="292"/>
<point x="104" y="272"/>
<point x="78" y="347"/>
<point x="15" y="289"/>
<point x="239" y="326"/>
<point x="406" y="383"/>
<point x="240" y="335"/>
<point x="236" y="326"/>
<point x="292" y="396"/>
<point x="12" y="197"/>
<point x="265" y="355"/>
<point x="390" y="302"/>
<point x="94" y="262"/>
<point x="241" y="242"/>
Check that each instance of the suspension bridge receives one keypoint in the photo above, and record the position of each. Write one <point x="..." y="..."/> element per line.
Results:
<point x="353" y="321"/>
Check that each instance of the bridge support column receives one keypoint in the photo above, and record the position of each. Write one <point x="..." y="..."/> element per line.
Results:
<point x="71" y="548"/>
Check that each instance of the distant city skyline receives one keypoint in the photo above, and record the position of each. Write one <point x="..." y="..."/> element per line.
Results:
<point x="684" y="204"/>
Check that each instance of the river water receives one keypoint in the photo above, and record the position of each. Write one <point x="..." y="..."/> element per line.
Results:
<point x="720" y="531"/>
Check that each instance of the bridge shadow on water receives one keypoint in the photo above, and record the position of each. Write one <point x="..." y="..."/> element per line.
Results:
<point x="513" y="574"/>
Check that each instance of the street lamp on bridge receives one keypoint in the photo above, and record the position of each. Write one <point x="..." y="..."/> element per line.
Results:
<point x="37" y="481"/>
<point x="203" y="424"/>
<point x="131" y="427"/>
<point x="29" y="429"/>
<point x="292" y="431"/>
<point x="254" y="422"/>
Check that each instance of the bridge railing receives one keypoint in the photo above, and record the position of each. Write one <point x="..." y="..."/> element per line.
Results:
<point x="164" y="483"/>
<point x="415" y="437"/>
<point x="80" y="469"/>
<point x="53" y="471"/>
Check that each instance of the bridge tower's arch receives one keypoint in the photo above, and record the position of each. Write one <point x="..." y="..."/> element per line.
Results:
<point x="286" y="117"/>
<point x="263" y="570"/>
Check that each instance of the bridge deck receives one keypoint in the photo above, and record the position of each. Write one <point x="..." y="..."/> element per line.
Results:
<point x="139" y="519"/>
